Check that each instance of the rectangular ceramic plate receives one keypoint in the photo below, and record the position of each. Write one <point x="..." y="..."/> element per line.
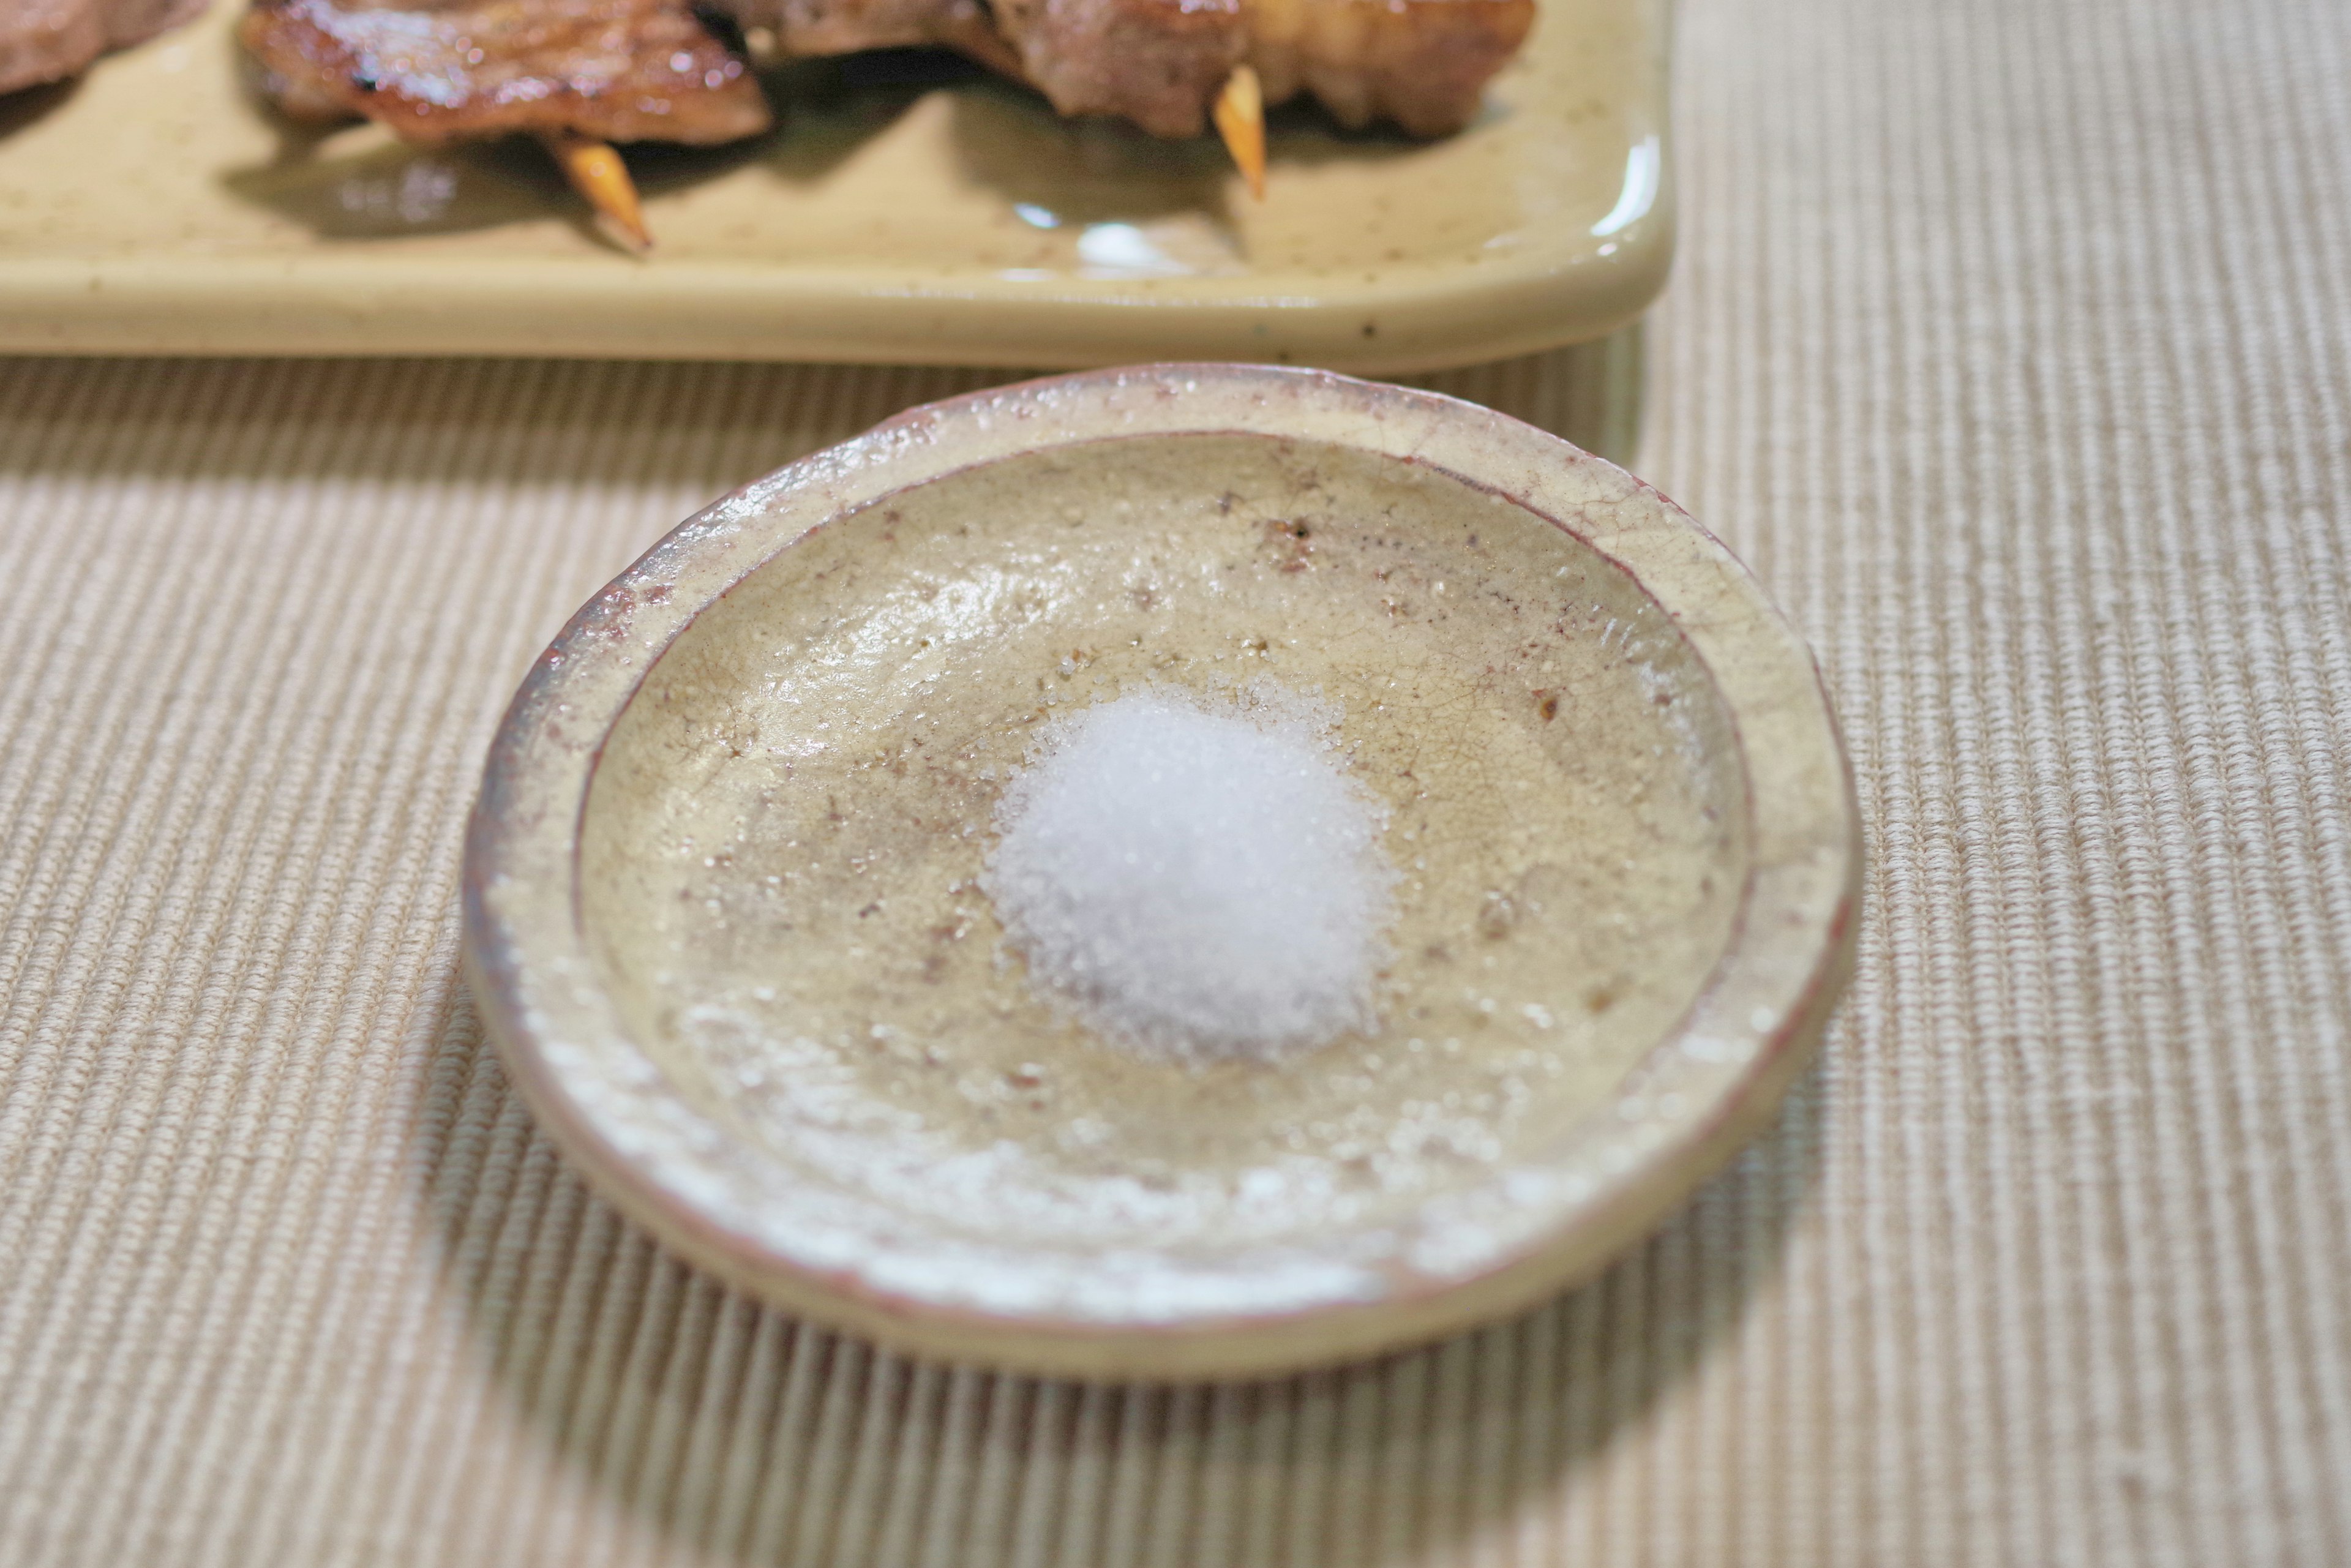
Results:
<point x="893" y="217"/>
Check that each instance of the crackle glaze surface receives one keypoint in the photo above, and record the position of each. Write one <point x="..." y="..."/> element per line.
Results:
<point x="749" y="968"/>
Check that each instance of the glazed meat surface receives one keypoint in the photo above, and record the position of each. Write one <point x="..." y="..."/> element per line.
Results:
<point x="49" y="40"/>
<point x="617" y="71"/>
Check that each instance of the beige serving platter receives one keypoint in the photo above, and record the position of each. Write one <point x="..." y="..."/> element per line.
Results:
<point x="725" y="886"/>
<point x="155" y="207"/>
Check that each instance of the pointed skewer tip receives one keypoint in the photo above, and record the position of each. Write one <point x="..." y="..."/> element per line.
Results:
<point x="1239" y="116"/>
<point x="596" y="171"/>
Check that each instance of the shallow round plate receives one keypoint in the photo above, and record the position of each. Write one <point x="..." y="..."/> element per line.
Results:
<point x="724" y="911"/>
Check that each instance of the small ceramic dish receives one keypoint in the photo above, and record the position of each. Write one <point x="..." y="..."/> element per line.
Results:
<point x="726" y="920"/>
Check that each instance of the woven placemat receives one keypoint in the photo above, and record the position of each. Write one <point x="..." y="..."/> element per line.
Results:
<point x="2011" y="343"/>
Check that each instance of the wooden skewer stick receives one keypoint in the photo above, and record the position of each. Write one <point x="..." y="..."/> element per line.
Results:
<point x="1239" y="116"/>
<point x="597" y="172"/>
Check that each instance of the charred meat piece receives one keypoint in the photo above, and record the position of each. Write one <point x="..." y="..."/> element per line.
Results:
<point x="810" y="29"/>
<point x="1155" y="62"/>
<point x="1422" y="64"/>
<point x="49" y="40"/>
<point x="442" y="70"/>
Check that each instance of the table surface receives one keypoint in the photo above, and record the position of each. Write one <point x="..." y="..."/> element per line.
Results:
<point x="2010" y="343"/>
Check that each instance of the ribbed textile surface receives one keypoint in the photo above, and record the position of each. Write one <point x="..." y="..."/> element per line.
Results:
<point x="2011" y="343"/>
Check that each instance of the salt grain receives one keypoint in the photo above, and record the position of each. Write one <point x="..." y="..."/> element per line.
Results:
<point x="1197" y="878"/>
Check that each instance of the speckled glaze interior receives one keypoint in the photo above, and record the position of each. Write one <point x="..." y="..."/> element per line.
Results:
<point x="724" y="915"/>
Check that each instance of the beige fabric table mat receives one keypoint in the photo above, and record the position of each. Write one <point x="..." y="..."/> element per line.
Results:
<point x="2009" y="344"/>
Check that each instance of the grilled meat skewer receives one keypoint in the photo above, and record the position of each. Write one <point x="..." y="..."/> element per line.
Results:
<point x="1163" y="64"/>
<point x="575" y="73"/>
<point x="1166" y="64"/>
<point x="1170" y="66"/>
<point x="446" y="70"/>
<point x="579" y="72"/>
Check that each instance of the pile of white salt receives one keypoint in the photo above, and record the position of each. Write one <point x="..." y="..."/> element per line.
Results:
<point x="1197" y="877"/>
